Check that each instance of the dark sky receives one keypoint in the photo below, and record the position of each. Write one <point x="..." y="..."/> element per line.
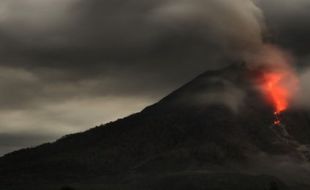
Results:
<point x="68" y="65"/>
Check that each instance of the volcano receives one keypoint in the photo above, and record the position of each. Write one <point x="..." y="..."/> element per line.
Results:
<point x="215" y="132"/>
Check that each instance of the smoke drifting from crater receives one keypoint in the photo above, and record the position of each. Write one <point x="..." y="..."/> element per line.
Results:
<point x="236" y="26"/>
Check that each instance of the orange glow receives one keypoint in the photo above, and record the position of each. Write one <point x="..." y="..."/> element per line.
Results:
<point x="277" y="122"/>
<point x="276" y="78"/>
<point x="276" y="92"/>
<point x="279" y="88"/>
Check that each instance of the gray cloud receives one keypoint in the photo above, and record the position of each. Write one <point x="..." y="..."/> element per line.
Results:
<point x="53" y="51"/>
<point x="108" y="34"/>
<point x="109" y="43"/>
<point x="288" y="24"/>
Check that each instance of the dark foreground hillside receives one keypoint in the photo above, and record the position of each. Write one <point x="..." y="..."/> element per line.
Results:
<point x="213" y="133"/>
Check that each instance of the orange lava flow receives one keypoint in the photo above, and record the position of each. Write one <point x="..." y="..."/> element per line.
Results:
<point x="274" y="87"/>
<point x="277" y="80"/>
<point x="279" y="87"/>
<point x="276" y="120"/>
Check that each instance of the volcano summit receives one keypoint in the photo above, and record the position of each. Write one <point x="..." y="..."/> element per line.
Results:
<point x="214" y="133"/>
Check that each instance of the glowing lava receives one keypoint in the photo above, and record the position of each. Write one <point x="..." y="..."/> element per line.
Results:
<point x="279" y="87"/>
<point x="275" y="90"/>
<point x="276" y="78"/>
<point x="276" y="120"/>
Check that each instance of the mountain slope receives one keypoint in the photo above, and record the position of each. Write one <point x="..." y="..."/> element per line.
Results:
<point x="218" y="123"/>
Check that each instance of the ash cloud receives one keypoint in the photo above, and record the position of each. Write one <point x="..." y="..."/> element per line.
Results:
<point x="302" y="98"/>
<point x="112" y="35"/>
<point x="106" y="43"/>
